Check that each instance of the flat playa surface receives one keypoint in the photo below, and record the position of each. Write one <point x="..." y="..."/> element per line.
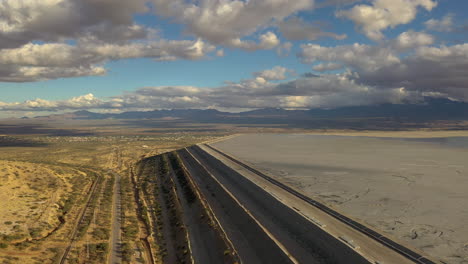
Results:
<point x="414" y="189"/>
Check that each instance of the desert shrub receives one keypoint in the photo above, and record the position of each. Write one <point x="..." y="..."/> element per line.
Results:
<point x="101" y="233"/>
<point x="11" y="237"/>
<point x="35" y="232"/>
<point x="126" y="252"/>
<point x="53" y="250"/>
<point x="130" y="231"/>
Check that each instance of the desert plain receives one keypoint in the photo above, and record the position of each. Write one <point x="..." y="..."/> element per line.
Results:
<point x="412" y="187"/>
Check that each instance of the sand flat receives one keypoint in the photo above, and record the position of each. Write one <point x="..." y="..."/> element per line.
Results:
<point x="413" y="189"/>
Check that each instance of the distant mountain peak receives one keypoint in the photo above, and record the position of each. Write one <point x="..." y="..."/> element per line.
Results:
<point x="83" y="112"/>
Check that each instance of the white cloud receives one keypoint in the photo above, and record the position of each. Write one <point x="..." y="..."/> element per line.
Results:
<point x="34" y="62"/>
<point x="444" y="25"/>
<point x="360" y="56"/>
<point x="366" y="57"/>
<point x="159" y="50"/>
<point x="34" y="36"/>
<point x="269" y="40"/>
<point x="382" y="14"/>
<point x="385" y="85"/>
<point x="404" y="69"/>
<point x="321" y="91"/>
<point x="84" y="101"/>
<point x="411" y="39"/>
<point x="32" y="74"/>
<point x="226" y="22"/>
<point x="49" y="39"/>
<point x="220" y="53"/>
<point x="323" y="67"/>
<point x="457" y="53"/>
<point x="258" y="92"/>
<point x="277" y="73"/>
<point x="87" y="101"/>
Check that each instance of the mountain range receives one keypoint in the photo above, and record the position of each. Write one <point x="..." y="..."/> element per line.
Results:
<point x="432" y="109"/>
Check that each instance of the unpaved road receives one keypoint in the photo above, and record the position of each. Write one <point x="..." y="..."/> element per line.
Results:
<point x="116" y="242"/>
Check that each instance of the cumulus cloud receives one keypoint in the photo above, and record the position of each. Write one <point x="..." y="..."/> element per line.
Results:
<point x="269" y="40"/>
<point x="321" y="91"/>
<point x="297" y="29"/>
<point x="32" y="74"/>
<point x="400" y="70"/>
<point x="80" y="102"/>
<point x="411" y="39"/>
<point x="275" y="74"/>
<point x="159" y="50"/>
<point x="444" y="25"/>
<point x="409" y="61"/>
<point x="382" y="14"/>
<point x="226" y="22"/>
<point x="359" y="56"/>
<point x="323" y="67"/>
<point x="34" y="62"/>
<point x="25" y="21"/>
<point x="326" y="91"/>
<point x="49" y="39"/>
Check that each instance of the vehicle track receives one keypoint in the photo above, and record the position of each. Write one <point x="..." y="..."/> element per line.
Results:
<point x="116" y="241"/>
<point x="74" y="232"/>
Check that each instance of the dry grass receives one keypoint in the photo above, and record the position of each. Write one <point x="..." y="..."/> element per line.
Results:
<point x="36" y="180"/>
<point x="30" y="195"/>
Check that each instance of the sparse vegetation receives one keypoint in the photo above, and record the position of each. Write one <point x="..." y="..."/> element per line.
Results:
<point x="45" y="180"/>
<point x="159" y="209"/>
<point x="182" y="177"/>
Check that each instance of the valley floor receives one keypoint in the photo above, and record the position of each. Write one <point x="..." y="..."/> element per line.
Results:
<point x="413" y="189"/>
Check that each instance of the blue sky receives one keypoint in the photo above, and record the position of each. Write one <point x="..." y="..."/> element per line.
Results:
<point x="157" y="47"/>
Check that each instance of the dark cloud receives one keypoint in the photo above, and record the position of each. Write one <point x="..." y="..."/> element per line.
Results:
<point x="408" y="62"/>
<point x="310" y="75"/>
<point x="297" y="29"/>
<point x="55" y="20"/>
<point x="306" y="92"/>
<point x="429" y="70"/>
<point x="50" y="39"/>
<point x="338" y="3"/>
